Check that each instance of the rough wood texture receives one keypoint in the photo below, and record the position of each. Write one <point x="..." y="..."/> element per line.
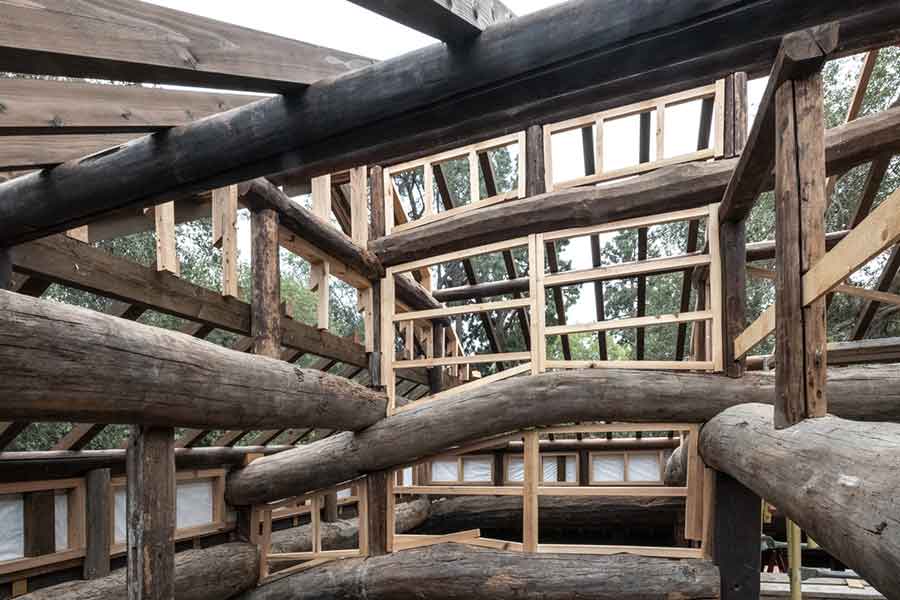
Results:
<point x="547" y="399"/>
<point x="815" y="471"/>
<point x="671" y="188"/>
<point x="98" y="493"/>
<point x="151" y="513"/>
<point x="38" y="523"/>
<point x="733" y="244"/>
<point x="144" y="42"/>
<point x="377" y="112"/>
<point x="228" y="569"/>
<point x="65" y="363"/>
<point x="445" y="20"/>
<point x="736" y="538"/>
<point x="377" y="493"/>
<point x="34" y="106"/>
<point x="452" y="571"/>
<point x="265" y="320"/>
<point x="676" y="468"/>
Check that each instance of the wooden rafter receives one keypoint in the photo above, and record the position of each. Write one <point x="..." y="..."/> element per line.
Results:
<point x="450" y="22"/>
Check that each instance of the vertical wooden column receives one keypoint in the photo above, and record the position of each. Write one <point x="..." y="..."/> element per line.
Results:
<point x="5" y="269"/>
<point x="377" y="491"/>
<point x="150" y="465"/>
<point x="535" y="167"/>
<point x="736" y="538"/>
<point x="265" y="321"/>
<point x="224" y="227"/>
<point x="732" y="235"/>
<point x="320" y="273"/>
<point x="799" y="243"/>
<point x="330" y="512"/>
<point x="530" y="502"/>
<point x="40" y="532"/>
<point x="436" y="374"/>
<point x="166" y="252"/>
<point x="99" y="523"/>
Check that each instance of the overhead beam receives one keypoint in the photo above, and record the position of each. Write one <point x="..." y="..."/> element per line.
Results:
<point x="348" y="119"/>
<point x="668" y="189"/>
<point x="41" y="107"/>
<point x="871" y="393"/>
<point x="883" y="350"/>
<point x="444" y="20"/>
<point x="63" y="363"/>
<point x="143" y="42"/>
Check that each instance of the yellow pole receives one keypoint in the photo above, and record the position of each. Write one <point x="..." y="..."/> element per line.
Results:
<point x="794" y="559"/>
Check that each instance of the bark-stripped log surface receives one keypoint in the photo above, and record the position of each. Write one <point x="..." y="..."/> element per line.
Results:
<point x="63" y="363"/>
<point x="223" y="571"/>
<point x="456" y="572"/>
<point x="674" y="188"/>
<point x="587" y="395"/>
<point x="837" y="479"/>
<point x="461" y="513"/>
<point x="590" y="51"/>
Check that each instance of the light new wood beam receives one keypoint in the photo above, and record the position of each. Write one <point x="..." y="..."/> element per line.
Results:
<point x="447" y="20"/>
<point x="139" y="41"/>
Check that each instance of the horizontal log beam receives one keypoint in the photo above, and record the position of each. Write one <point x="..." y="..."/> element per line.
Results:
<point x="371" y="114"/>
<point x="143" y="42"/>
<point x="447" y="21"/>
<point x="871" y="393"/>
<point x="456" y="571"/>
<point x="884" y="350"/>
<point x="63" y="363"/>
<point x="835" y="478"/>
<point x="668" y="189"/>
<point x="41" y="107"/>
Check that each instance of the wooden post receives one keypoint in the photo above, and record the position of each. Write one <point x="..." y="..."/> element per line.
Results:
<point x="99" y="523"/>
<point x="375" y="356"/>
<point x="436" y="374"/>
<point x="377" y="490"/>
<point x="40" y="534"/>
<point x="530" y="527"/>
<point x="800" y="243"/>
<point x="736" y="538"/>
<point x="224" y="226"/>
<point x="535" y="168"/>
<point x="5" y="269"/>
<point x="795" y="559"/>
<point x="166" y="251"/>
<point x="735" y="118"/>
<point x="265" y="319"/>
<point x="330" y="514"/>
<point x="150" y="466"/>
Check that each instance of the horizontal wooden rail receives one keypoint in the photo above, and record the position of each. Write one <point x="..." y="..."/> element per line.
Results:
<point x="662" y="365"/>
<point x="461" y="360"/>
<point x="459" y="490"/>
<point x="650" y="321"/>
<point x="632" y="269"/>
<point x="649" y="221"/>
<point x="464" y="309"/>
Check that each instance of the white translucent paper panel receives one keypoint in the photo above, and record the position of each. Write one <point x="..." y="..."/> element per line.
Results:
<point x="445" y="470"/>
<point x="478" y="468"/>
<point x="548" y="468"/>
<point x="643" y="467"/>
<point x="193" y="503"/>
<point x="344" y="493"/>
<point x="515" y="469"/>
<point x="12" y="527"/>
<point x="682" y="128"/>
<point x="571" y="470"/>
<point x="567" y="151"/>
<point x="61" y="520"/>
<point x="408" y="476"/>
<point x="608" y="468"/>
<point x="121" y="511"/>
<point x="622" y="141"/>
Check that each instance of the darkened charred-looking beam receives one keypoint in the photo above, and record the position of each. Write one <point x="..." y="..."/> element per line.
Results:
<point x="63" y="363"/>
<point x="833" y="477"/>
<point x="591" y="51"/>
<point x="670" y="188"/>
<point x="871" y="393"/>
<point x="447" y="21"/>
<point x="139" y="41"/>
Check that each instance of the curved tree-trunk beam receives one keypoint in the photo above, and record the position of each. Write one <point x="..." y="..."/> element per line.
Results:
<point x="229" y="569"/>
<point x="836" y="478"/>
<point x="547" y="399"/>
<point x="63" y="363"/>
<point x="676" y="468"/>
<point x="570" y="513"/>
<point x="453" y="572"/>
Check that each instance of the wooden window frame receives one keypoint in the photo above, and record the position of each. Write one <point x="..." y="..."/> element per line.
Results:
<point x="573" y="455"/>
<point x="626" y="456"/>
<point x="460" y="465"/>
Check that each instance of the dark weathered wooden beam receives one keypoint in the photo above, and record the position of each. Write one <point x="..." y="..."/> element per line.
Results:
<point x="670" y="188"/>
<point x="736" y="531"/>
<point x="883" y="350"/>
<point x="72" y="364"/>
<point x="151" y="513"/>
<point x="79" y="436"/>
<point x="800" y="55"/>
<point x="815" y="471"/>
<point x="38" y="523"/>
<point x="871" y="393"/>
<point x="446" y="20"/>
<point x="40" y="107"/>
<point x="100" y="526"/>
<point x="9" y="430"/>
<point x="382" y="111"/>
<point x="265" y="306"/>
<point x="144" y="42"/>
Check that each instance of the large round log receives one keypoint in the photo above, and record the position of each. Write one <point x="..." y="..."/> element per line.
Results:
<point x="456" y="572"/>
<point x="228" y="569"/>
<point x="836" y="478"/>
<point x="560" y="513"/>
<point x="547" y="399"/>
<point x="64" y="363"/>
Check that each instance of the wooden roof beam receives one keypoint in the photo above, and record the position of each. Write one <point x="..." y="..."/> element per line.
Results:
<point x="446" y="20"/>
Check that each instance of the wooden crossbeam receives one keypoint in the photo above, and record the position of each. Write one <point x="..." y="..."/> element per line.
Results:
<point x="9" y="430"/>
<point x="450" y="22"/>
<point x="143" y="42"/>
<point x="78" y="437"/>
